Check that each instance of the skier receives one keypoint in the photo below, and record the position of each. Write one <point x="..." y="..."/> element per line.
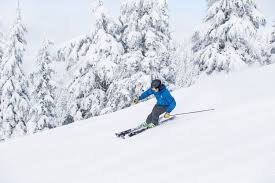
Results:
<point x="165" y="103"/>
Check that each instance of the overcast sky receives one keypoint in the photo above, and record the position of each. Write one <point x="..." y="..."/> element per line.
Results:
<point x="62" y="20"/>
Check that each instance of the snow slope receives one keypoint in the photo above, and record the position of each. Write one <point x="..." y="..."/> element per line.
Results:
<point x="234" y="144"/>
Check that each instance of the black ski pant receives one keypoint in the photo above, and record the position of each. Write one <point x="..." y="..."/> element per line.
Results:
<point x="154" y="115"/>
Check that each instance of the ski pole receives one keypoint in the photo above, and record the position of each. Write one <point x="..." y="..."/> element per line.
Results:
<point x="193" y="112"/>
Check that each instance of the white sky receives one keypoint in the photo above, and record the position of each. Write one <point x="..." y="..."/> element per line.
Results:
<point x="62" y="20"/>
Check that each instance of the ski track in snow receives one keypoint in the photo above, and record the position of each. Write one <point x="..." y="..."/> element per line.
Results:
<point x="233" y="144"/>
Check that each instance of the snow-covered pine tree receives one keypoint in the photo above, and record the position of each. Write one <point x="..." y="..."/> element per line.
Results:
<point x="146" y="38"/>
<point x="14" y="104"/>
<point x="1" y="45"/>
<point x="73" y="51"/>
<point x="107" y="49"/>
<point x="147" y="32"/>
<point x="226" y="40"/>
<point x="94" y="73"/>
<point x="1" y="55"/>
<point x="43" y="110"/>
<point x="64" y="104"/>
<point x="264" y="44"/>
<point x="185" y="72"/>
<point x="272" y="42"/>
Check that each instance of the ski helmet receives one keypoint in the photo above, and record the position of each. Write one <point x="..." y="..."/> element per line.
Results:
<point x="156" y="83"/>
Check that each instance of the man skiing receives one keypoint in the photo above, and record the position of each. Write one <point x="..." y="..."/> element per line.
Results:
<point x="165" y="103"/>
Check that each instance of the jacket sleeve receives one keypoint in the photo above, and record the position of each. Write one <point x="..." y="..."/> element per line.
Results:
<point x="146" y="94"/>
<point x="171" y="102"/>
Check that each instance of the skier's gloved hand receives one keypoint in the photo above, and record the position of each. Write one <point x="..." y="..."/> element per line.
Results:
<point x="167" y="115"/>
<point x="136" y="101"/>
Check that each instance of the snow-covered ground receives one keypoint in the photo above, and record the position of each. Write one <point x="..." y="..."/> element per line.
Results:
<point x="233" y="144"/>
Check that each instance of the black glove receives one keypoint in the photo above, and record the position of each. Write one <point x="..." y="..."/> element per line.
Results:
<point x="136" y="101"/>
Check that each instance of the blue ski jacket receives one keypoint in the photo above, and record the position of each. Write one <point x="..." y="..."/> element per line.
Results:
<point x="163" y="96"/>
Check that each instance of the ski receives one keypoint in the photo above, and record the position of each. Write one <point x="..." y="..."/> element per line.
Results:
<point x="138" y="131"/>
<point x="131" y="130"/>
<point x="131" y="134"/>
<point x="123" y="133"/>
<point x="120" y="134"/>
